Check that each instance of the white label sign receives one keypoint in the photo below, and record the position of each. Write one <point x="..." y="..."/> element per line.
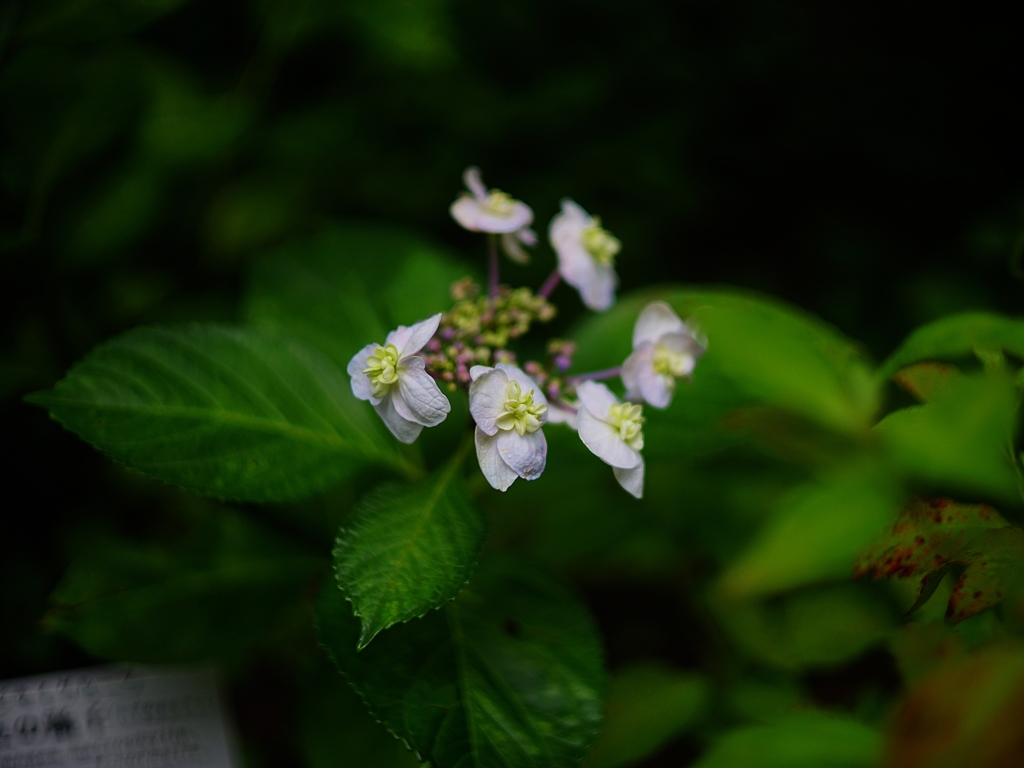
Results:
<point x="114" y="717"/>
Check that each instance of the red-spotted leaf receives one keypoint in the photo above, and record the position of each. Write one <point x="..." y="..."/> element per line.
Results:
<point x="930" y="536"/>
<point x="923" y="379"/>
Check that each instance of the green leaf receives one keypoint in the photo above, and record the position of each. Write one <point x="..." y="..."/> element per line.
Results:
<point x="648" y="704"/>
<point x="931" y="535"/>
<point x="348" y="286"/>
<point x="960" y="438"/>
<point x="816" y="532"/>
<point x="812" y="627"/>
<point x="228" y="587"/>
<point x="335" y="730"/>
<point x="407" y="549"/>
<point x="955" y="337"/>
<point x="229" y="412"/>
<point x="807" y="740"/>
<point x="759" y="352"/>
<point x="923" y="380"/>
<point x="508" y="675"/>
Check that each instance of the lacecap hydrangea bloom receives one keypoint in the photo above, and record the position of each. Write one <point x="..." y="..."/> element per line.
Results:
<point x="586" y="255"/>
<point x="613" y="431"/>
<point x="665" y="349"/>
<point x="472" y="347"/>
<point x="496" y="212"/>
<point x="509" y="410"/>
<point x="395" y="381"/>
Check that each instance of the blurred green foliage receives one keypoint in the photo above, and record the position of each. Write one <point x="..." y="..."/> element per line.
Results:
<point x="288" y="165"/>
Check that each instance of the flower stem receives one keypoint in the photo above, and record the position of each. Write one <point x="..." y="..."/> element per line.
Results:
<point x="492" y="257"/>
<point x="608" y="373"/>
<point x="550" y="284"/>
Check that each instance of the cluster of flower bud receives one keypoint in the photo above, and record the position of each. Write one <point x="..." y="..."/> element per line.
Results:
<point x="477" y="330"/>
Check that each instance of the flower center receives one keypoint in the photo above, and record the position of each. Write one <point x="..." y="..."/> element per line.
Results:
<point x="382" y="368"/>
<point x="499" y="203"/>
<point x="600" y="243"/>
<point x="670" y="363"/>
<point x="628" y="419"/>
<point x="520" y="413"/>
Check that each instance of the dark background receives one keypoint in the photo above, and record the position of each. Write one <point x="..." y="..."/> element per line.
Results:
<point x="860" y="160"/>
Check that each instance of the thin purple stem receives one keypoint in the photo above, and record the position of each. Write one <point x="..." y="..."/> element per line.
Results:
<point x="550" y="284"/>
<point x="492" y="255"/>
<point x="609" y="373"/>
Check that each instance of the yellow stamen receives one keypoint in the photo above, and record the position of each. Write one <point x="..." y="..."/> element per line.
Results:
<point x="600" y="243"/>
<point x="628" y="420"/>
<point x="382" y="369"/>
<point x="520" y="413"/>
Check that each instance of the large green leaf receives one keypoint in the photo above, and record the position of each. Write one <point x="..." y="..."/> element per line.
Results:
<point x="406" y="550"/>
<point x="960" y="439"/>
<point x="759" y="352"/>
<point x="807" y="740"/>
<point x="229" y="586"/>
<point x="816" y="532"/>
<point x="509" y="675"/>
<point x="955" y="337"/>
<point x="348" y="286"/>
<point x="229" y="412"/>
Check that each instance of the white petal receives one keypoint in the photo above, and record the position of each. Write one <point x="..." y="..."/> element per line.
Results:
<point x="474" y="182"/>
<point x="632" y="479"/>
<point x="525" y="454"/>
<point x="527" y="236"/>
<point x="497" y="472"/>
<point x="478" y="370"/>
<point x="510" y="245"/>
<point x="596" y="398"/>
<point x="640" y="360"/>
<point x="656" y="320"/>
<point x="409" y="341"/>
<point x="406" y="431"/>
<point x="360" y="381"/>
<point x="559" y="415"/>
<point x="570" y="223"/>
<point x="576" y="266"/>
<point x="421" y="394"/>
<point x="472" y="215"/>
<point x="598" y="293"/>
<point x="487" y="399"/>
<point x="656" y="389"/>
<point x="604" y="442"/>
<point x="515" y="373"/>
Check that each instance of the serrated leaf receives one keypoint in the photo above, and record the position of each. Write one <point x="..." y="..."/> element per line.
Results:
<point x="959" y="438"/>
<point x="955" y="337"/>
<point x="348" y="286"/>
<point x="805" y="740"/>
<point x="923" y="380"/>
<point x="407" y="549"/>
<point x="509" y="675"/>
<point x="230" y="412"/>
<point x="931" y="535"/>
<point x="228" y="587"/>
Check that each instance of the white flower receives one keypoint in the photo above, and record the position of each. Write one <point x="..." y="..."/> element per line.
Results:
<point x="613" y="432"/>
<point x="664" y="349"/>
<point x="495" y="211"/>
<point x="586" y="255"/>
<point x="509" y="410"/>
<point x="395" y="381"/>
